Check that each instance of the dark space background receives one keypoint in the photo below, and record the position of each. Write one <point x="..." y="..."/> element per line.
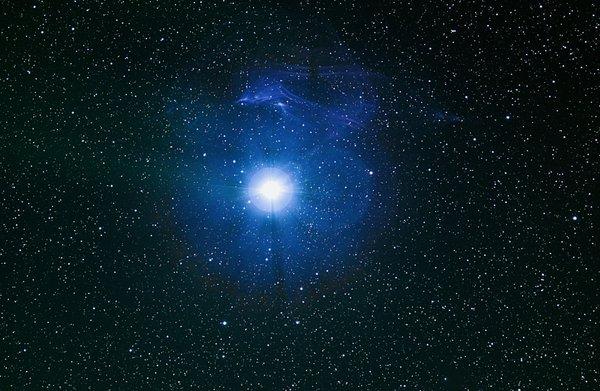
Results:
<point x="475" y="266"/>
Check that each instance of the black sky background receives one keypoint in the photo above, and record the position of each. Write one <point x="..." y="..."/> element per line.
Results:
<point x="483" y="274"/>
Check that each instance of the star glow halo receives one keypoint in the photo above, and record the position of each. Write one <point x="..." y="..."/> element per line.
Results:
<point x="270" y="190"/>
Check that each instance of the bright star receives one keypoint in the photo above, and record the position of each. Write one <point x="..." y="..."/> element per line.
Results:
<point x="270" y="189"/>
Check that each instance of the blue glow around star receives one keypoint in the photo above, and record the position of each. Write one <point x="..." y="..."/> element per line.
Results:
<point x="281" y="152"/>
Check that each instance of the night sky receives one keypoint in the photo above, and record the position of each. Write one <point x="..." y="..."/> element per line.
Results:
<point x="352" y="195"/>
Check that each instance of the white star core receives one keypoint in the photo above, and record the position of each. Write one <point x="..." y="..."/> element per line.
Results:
<point x="270" y="189"/>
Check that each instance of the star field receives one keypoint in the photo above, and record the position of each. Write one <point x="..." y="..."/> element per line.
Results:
<point x="317" y="196"/>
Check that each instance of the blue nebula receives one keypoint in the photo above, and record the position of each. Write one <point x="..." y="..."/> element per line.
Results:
<point x="296" y="121"/>
<point x="335" y="99"/>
